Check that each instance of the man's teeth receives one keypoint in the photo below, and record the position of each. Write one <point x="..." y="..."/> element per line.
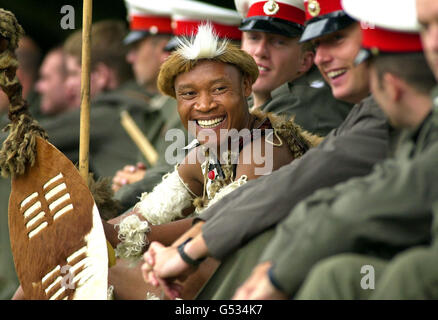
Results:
<point x="334" y="74"/>
<point x="210" y="123"/>
<point x="262" y="68"/>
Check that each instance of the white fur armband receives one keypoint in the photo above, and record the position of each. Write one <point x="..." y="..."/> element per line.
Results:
<point x="166" y="201"/>
<point x="132" y="234"/>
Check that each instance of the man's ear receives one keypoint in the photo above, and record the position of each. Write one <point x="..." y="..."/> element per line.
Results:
<point x="393" y="86"/>
<point x="307" y="59"/>
<point x="247" y="86"/>
<point x="103" y="77"/>
<point x="164" y="54"/>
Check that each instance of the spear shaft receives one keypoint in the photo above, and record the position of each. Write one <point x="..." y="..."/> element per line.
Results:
<point x="84" y="142"/>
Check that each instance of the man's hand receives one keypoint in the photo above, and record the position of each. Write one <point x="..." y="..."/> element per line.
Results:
<point x="129" y="174"/>
<point x="163" y="266"/>
<point x="258" y="286"/>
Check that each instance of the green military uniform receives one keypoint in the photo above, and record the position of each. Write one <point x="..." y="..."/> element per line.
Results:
<point x="410" y="275"/>
<point x="8" y="277"/>
<point x="343" y="277"/>
<point x="163" y="118"/>
<point x="349" y="151"/>
<point x="378" y="215"/>
<point x="310" y="100"/>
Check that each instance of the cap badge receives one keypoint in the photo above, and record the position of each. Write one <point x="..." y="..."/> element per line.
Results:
<point x="271" y="7"/>
<point x="314" y="8"/>
<point x="375" y="51"/>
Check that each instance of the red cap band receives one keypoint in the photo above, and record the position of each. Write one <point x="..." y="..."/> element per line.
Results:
<point x="145" y="23"/>
<point x="391" y="41"/>
<point x="321" y="7"/>
<point x="189" y="27"/>
<point x="285" y="12"/>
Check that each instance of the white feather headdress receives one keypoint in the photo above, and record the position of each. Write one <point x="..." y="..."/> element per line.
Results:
<point x="205" y="45"/>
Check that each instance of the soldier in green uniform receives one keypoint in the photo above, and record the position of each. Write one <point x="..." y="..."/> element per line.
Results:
<point x="150" y="31"/>
<point x="54" y="97"/>
<point x="348" y="151"/>
<point x="110" y="145"/>
<point x="387" y="211"/>
<point x="288" y="83"/>
<point x="409" y="275"/>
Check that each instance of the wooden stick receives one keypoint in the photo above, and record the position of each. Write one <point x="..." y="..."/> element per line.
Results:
<point x="138" y="137"/>
<point x="84" y="142"/>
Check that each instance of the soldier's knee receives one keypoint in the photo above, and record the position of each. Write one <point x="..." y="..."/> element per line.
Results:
<point x="420" y="260"/>
<point x="340" y="266"/>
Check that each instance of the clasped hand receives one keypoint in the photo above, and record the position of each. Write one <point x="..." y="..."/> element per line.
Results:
<point x="164" y="266"/>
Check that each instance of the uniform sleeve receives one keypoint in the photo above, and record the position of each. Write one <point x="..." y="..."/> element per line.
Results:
<point x="381" y="214"/>
<point x="262" y="203"/>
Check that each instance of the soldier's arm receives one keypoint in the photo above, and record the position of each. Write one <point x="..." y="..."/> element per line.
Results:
<point x="342" y="155"/>
<point x="383" y="212"/>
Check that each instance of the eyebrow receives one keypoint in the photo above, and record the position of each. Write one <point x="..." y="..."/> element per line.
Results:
<point x="212" y="82"/>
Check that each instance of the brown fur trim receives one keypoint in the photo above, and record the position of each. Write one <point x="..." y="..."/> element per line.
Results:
<point x="177" y="64"/>
<point x="298" y="140"/>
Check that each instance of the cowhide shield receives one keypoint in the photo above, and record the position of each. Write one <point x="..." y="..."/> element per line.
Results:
<point x="57" y="237"/>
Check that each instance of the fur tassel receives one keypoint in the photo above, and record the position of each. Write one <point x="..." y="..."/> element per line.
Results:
<point x="205" y="45"/>
<point x="103" y="196"/>
<point x="18" y="149"/>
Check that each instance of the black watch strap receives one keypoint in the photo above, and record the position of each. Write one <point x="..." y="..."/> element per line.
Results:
<point x="185" y="257"/>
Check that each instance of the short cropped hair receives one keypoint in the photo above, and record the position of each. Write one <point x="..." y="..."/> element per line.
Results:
<point x="410" y="67"/>
<point x="106" y="47"/>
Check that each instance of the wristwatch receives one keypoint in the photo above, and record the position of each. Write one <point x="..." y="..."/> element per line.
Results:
<point x="185" y="257"/>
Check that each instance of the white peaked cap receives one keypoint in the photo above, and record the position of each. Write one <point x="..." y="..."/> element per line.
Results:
<point x="243" y="6"/>
<point x="400" y="15"/>
<point x="149" y="7"/>
<point x="195" y="10"/>
<point x="148" y="17"/>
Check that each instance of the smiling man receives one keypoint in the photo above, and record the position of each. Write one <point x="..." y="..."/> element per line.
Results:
<point x="411" y="274"/>
<point x="288" y="82"/>
<point x="211" y="81"/>
<point x="251" y="211"/>
<point x="389" y="210"/>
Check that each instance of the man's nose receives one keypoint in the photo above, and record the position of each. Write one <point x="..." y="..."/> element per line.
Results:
<point x="38" y="86"/>
<point x="322" y="55"/>
<point x="131" y="56"/>
<point x="432" y="37"/>
<point x="261" y="49"/>
<point x="205" y="103"/>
